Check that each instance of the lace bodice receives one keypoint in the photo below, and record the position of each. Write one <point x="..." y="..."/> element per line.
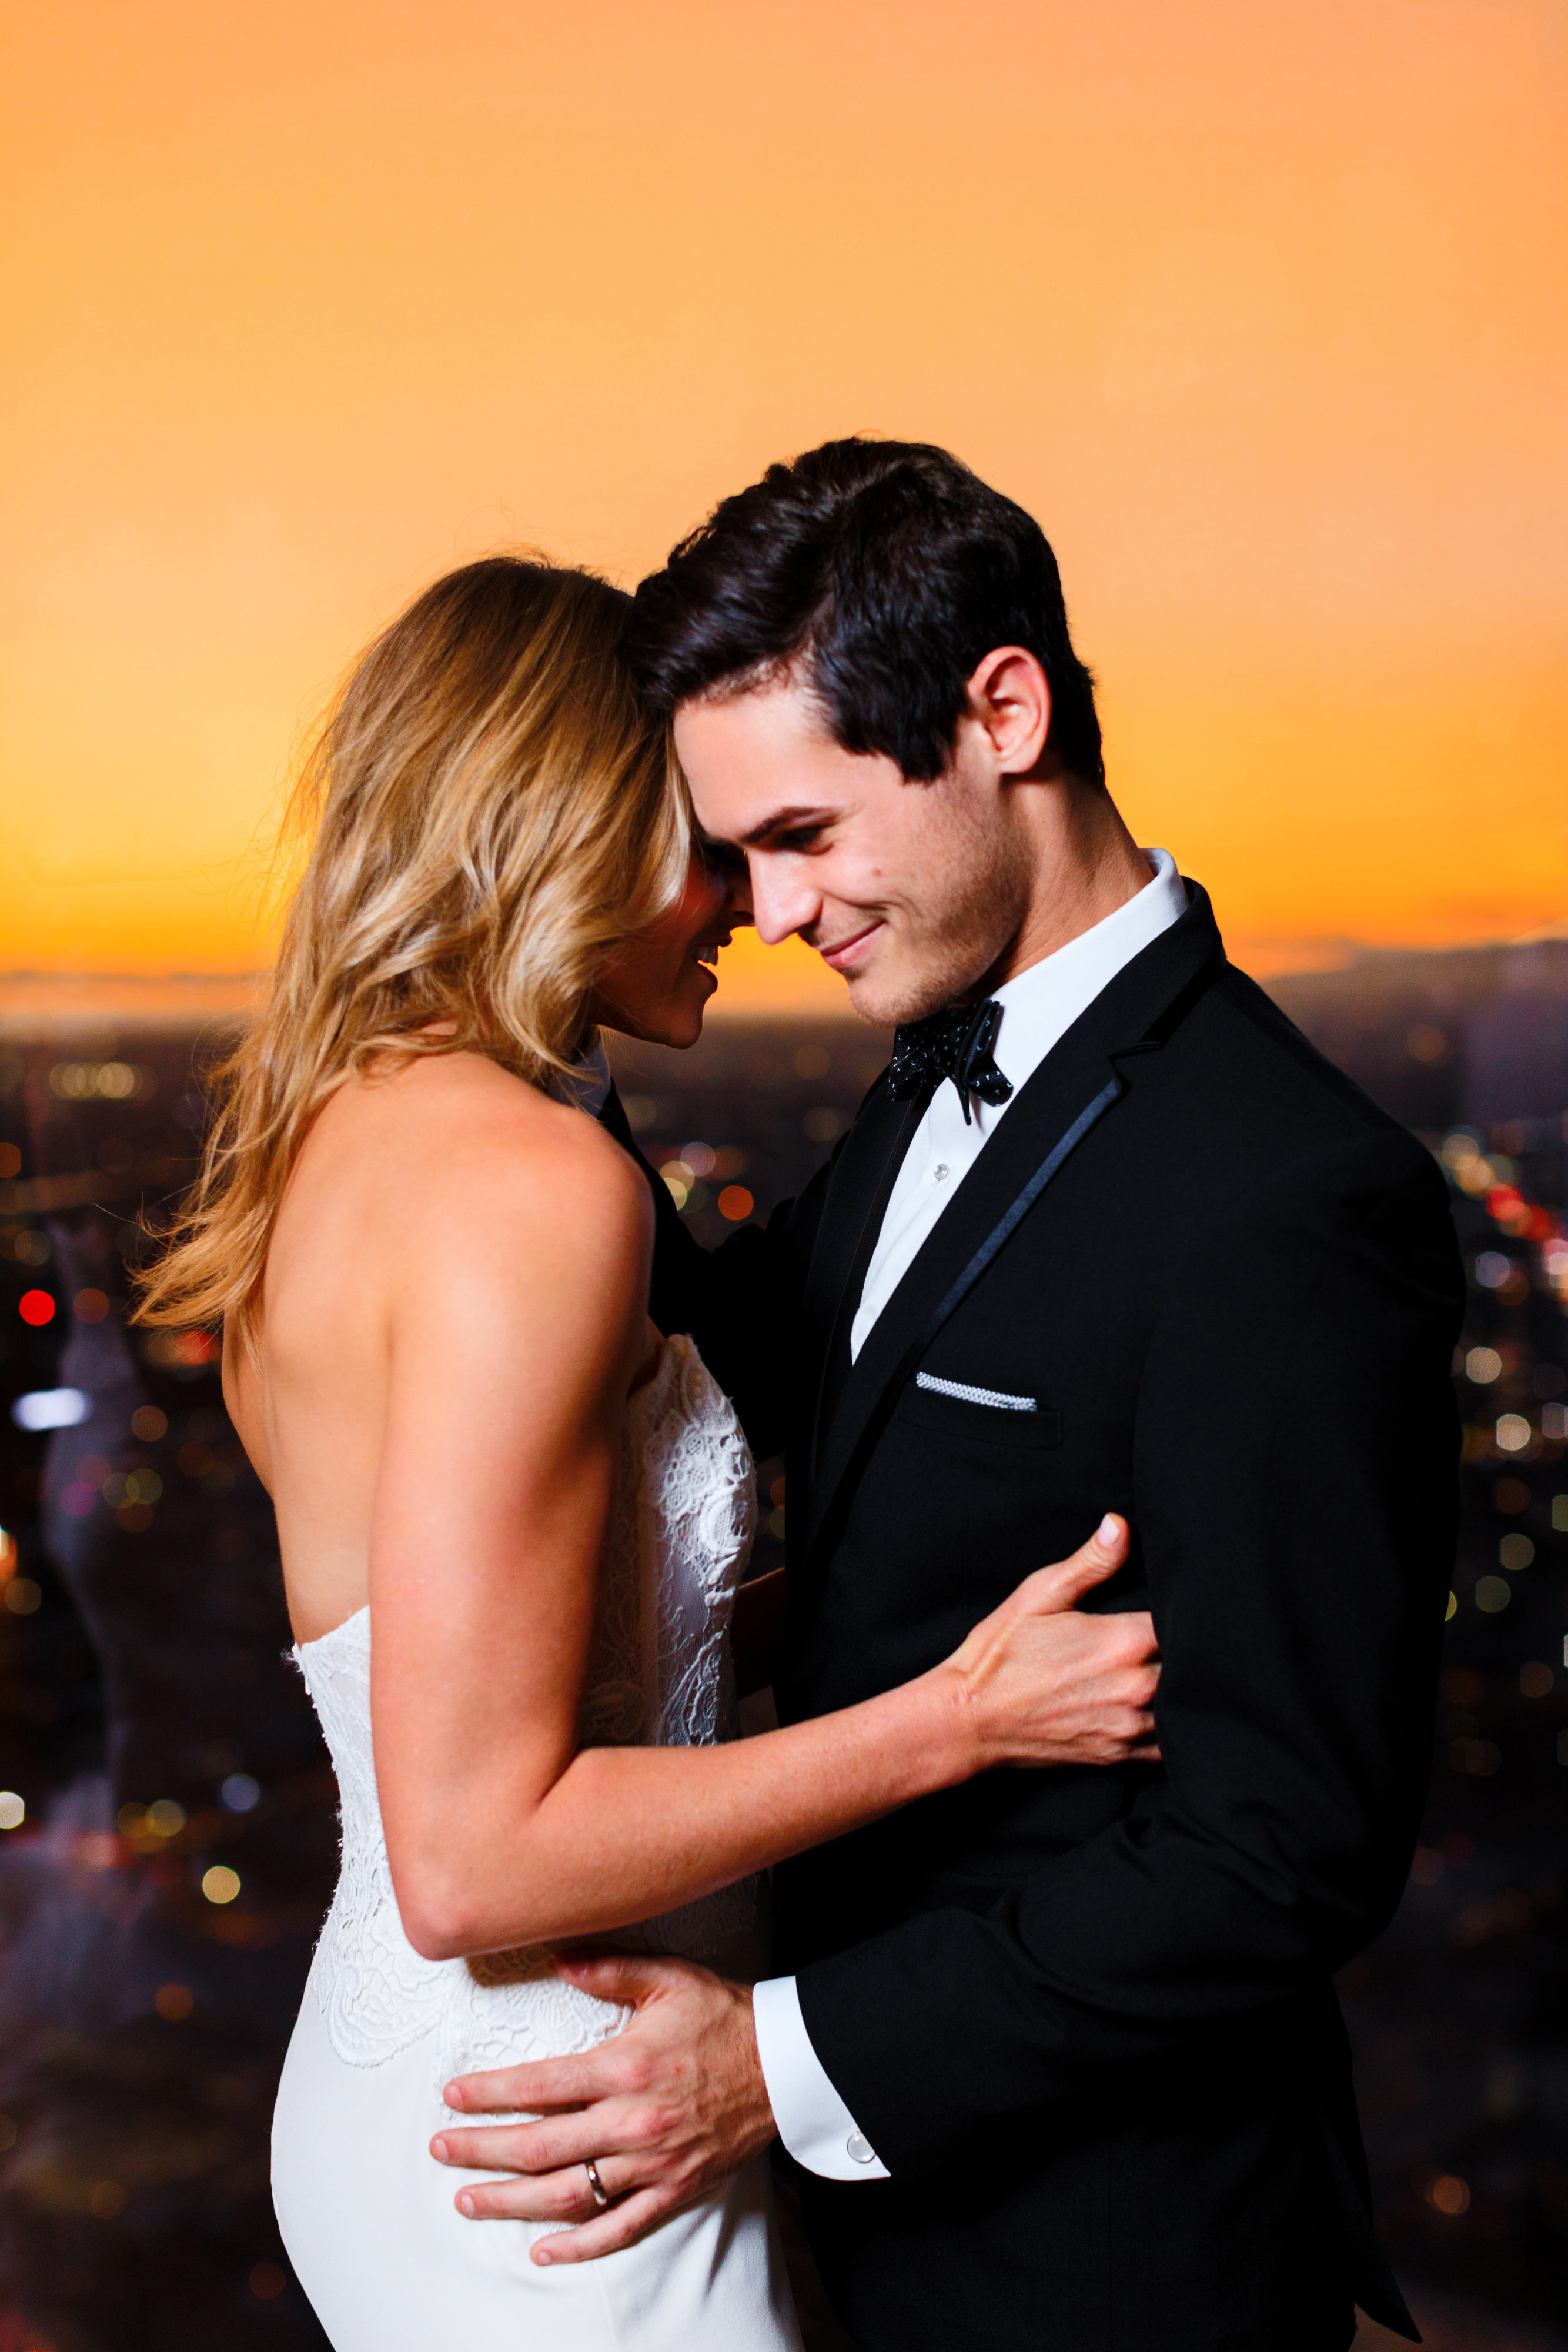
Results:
<point x="659" y="1676"/>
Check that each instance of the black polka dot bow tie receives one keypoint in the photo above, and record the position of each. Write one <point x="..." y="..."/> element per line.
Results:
<point x="955" y="1045"/>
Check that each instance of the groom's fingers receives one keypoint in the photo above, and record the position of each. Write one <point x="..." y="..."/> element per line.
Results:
<point x="625" y="1979"/>
<point x="565" y="2195"/>
<point x="551" y="2144"/>
<point x="631" y="2218"/>
<point x="499" y="2147"/>
<point x="533" y="2089"/>
<point x="678" y="2103"/>
<point x="551" y="2197"/>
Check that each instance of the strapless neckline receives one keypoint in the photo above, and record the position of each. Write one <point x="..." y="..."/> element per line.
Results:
<point x="361" y="1616"/>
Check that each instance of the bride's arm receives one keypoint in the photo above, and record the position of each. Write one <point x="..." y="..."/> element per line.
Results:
<point x="514" y="1333"/>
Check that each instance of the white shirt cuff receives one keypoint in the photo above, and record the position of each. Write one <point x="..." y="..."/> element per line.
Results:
<point x="813" y="2122"/>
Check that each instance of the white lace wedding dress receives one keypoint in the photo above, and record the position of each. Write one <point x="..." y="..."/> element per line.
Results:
<point x="367" y="2213"/>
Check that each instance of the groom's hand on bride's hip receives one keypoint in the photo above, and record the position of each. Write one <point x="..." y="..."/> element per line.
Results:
<point x="663" y="2111"/>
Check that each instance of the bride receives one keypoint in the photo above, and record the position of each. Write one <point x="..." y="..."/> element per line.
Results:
<point x="432" y="1263"/>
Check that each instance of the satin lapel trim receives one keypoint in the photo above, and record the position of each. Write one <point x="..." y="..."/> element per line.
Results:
<point x="881" y="1371"/>
<point x="871" y="1210"/>
<point x="873" y="1152"/>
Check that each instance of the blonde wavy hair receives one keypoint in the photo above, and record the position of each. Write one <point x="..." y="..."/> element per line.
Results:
<point x="489" y="815"/>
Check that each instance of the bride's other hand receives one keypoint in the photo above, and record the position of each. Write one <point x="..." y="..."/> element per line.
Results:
<point x="1046" y="1683"/>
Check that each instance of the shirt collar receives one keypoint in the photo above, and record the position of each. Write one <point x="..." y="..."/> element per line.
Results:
<point x="1040" y="1005"/>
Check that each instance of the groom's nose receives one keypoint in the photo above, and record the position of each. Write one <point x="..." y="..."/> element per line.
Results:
<point x="784" y="898"/>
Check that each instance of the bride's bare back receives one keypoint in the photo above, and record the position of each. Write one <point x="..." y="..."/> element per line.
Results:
<point x="447" y="1234"/>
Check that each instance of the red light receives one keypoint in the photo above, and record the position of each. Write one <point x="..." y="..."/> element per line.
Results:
<point x="735" y="1202"/>
<point x="36" y="1306"/>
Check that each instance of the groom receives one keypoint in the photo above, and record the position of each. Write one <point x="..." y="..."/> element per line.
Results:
<point x="1057" y="2055"/>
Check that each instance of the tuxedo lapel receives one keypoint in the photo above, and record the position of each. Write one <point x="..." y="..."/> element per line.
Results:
<point x="1078" y="1082"/>
<point x="858" y="1192"/>
<point x="1070" y="1092"/>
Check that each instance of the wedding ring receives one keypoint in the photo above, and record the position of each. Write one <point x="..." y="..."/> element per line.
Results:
<point x="594" y="2182"/>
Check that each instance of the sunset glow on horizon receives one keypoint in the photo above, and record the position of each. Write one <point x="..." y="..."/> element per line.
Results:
<point x="1259" y="310"/>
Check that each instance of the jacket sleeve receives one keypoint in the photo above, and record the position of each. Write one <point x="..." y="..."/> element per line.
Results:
<point x="741" y="1305"/>
<point x="1294" y="1488"/>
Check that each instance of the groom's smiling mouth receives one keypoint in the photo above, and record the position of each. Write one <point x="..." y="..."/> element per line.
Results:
<point x="843" y="954"/>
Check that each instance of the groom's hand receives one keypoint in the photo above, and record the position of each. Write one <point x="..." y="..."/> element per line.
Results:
<point x="665" y="2111"/>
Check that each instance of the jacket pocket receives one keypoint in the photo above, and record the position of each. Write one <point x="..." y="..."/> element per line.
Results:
<point x="1033" y="1426"/>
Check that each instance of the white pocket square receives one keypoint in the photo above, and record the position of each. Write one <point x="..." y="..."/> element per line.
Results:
<point x="997" y="1397"/>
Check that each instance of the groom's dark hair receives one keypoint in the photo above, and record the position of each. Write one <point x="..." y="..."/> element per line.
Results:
<point x="886" y="569"/>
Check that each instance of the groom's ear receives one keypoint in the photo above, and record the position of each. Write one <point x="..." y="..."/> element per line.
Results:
<point x="1009" y="701"/>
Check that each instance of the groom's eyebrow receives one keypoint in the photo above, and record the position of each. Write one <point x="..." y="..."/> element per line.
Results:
<point x="784" y="820"/>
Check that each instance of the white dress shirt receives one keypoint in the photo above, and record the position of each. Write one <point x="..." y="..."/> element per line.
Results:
<point x="1038" y="1008"/>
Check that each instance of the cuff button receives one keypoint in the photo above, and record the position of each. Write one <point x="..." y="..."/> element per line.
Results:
<point x="858" y="2150"/>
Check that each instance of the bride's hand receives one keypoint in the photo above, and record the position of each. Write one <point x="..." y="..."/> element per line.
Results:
<point x="1048" y="1684"/>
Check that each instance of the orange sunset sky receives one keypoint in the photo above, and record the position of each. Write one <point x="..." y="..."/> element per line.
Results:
<point x="1260" y="307"/>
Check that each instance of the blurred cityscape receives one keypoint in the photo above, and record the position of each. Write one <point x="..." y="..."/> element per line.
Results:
<point x="167" y="1833"/>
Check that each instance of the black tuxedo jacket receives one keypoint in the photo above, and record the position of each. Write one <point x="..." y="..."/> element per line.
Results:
<point x="1086" y="2017"/>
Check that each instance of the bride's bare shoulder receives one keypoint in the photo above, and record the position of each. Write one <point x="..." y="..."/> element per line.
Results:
<point x="456" y="1135"/>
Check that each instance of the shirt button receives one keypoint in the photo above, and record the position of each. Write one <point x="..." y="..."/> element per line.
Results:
<point x="940" y="1171"/>
<point x="858" y="2150"/>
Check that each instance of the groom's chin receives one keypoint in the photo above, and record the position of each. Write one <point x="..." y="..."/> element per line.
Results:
<point x="881" y="1000"/>
<point x="871" y="994"/>
<point x="865" y="1003"/>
